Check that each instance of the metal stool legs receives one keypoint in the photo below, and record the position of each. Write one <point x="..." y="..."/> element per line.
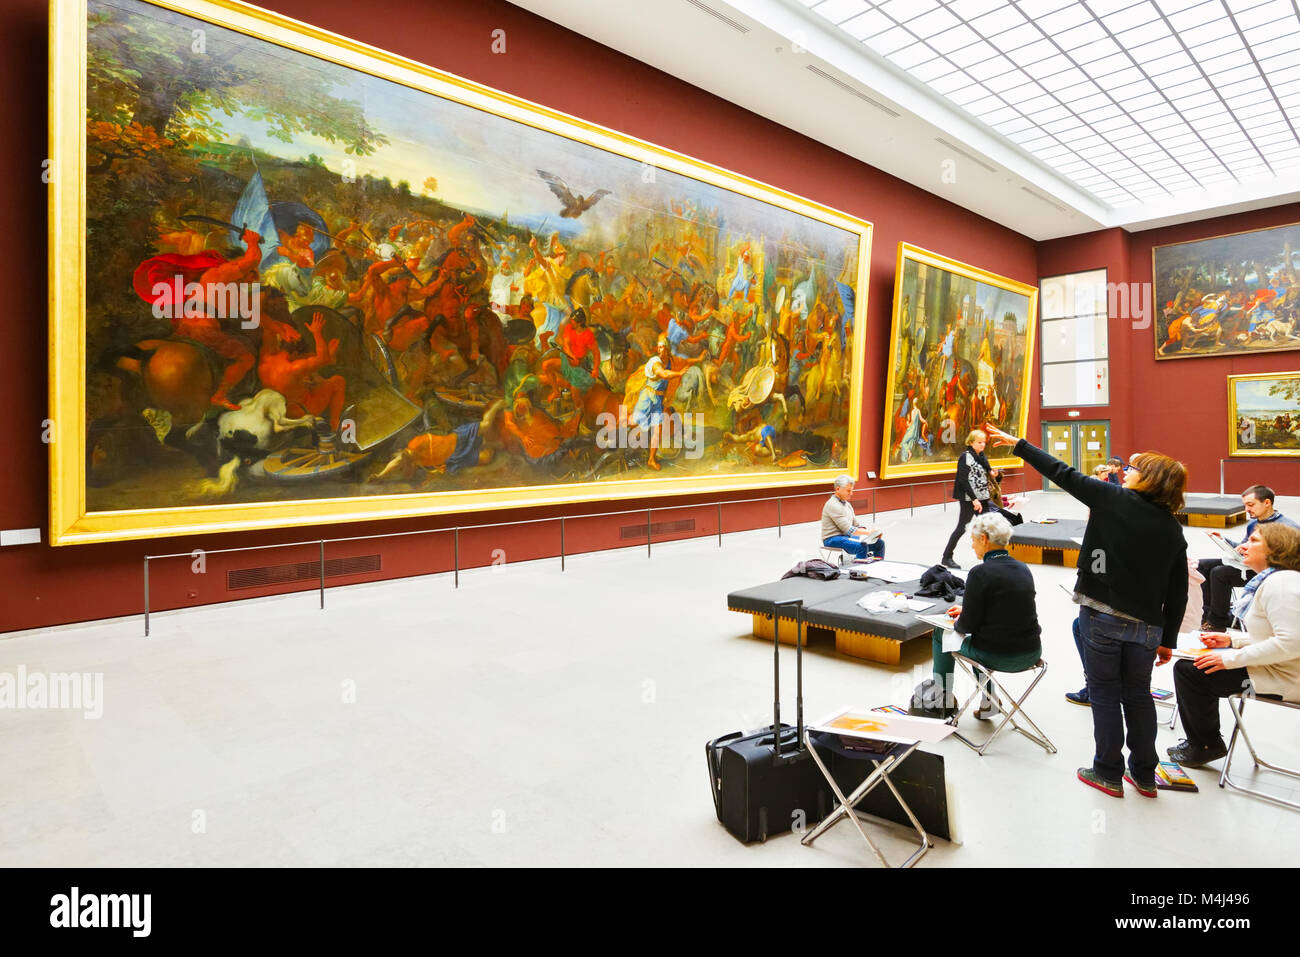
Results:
<point x="1009" y="713"/>
<point x="1237" y="703"/>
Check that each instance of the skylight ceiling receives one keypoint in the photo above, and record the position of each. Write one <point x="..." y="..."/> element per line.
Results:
<point x="1134" y="102"/>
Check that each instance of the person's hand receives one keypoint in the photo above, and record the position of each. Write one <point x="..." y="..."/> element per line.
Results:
<point x="1210" y="663"/>
<point x="1216" y="534"/>
<point x="954" y="611"/>
<point x="1163" y="655"/>
<point x="1241" y="550"/>
<point x="1213" y="639"/>
<point x="977" y="505"/>
<point x="998" y="437"/>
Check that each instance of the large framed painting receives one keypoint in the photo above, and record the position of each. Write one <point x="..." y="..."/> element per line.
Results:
<point x="1264" y="414"/>
<point x="1227" y="295"/>
<point x="961" y="350"/>
<point x="301" y="280"/>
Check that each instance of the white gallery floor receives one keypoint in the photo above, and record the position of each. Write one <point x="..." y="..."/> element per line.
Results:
<point x="534" y="717"/>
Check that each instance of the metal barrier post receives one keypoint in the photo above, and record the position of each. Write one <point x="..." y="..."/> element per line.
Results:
<point x="873" y="504"/>
<point x="647" y="533"/>
<point x="456" y="556"/>
<point x="146" y="596"/>
<point x="719" y="524"/>
<point x="322" y="575"/>
<point x="911" y="510"/>
<point x="778" y="517"/>
<point x="561" y="543"/>
<point x="1221" y="461"/>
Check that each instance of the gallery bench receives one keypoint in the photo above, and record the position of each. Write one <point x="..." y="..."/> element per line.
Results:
<point x="1211" y="511"/>
<point x="1055" y="543"/>
<point x="831" y="613"/>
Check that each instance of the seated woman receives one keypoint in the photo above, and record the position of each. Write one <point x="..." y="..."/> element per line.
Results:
<point x="1266" y="658"/>
<point x="998" y="615"/>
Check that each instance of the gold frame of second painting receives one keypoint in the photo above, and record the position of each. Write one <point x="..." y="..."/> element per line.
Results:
<point x="939" y="261"/>
<point x="1233" y="449"/>
<point x="71" y="523"/>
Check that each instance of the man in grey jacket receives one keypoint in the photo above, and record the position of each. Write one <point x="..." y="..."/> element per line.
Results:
<point x="840" y="528"/>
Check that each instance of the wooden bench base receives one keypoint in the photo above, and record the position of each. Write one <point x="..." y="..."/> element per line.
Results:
<point x="1044" y="555"/>
<point x="855" y="644"/>
<point x="1203" y="520"/>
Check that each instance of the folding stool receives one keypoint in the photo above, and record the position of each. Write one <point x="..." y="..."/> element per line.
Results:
<point x="1237" y="703"/>
<point x="1009" y="712"/>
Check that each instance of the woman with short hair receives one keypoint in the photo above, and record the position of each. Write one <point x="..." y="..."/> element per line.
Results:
<point x="970" y="488"/>
<point x="1265" y="660"/>
<point x="1131" y="592"/>
<point x="997" y="615"/>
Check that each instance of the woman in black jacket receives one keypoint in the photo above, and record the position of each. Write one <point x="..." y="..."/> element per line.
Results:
<point x="1131" y="592"/>
<point x="970" y="489"/>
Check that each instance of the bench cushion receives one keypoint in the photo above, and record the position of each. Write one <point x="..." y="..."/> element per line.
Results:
<point x="759" y="598"/>
<point x="1061" y="534"/>
<point x="1212" y="505"/>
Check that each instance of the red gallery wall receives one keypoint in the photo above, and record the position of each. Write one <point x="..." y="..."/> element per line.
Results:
<point x="544" y="63"/>
<point x="1178" y="406"/>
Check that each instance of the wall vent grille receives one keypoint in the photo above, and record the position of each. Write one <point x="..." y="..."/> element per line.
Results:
<point x="291" y="572"/>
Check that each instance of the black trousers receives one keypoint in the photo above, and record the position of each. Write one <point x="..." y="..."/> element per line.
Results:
<point x="965" y="513"/>
<point x="1220" y="580"/>
<point x="1198" y="695"/>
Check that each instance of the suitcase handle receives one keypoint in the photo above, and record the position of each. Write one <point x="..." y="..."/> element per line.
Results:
<point x="776" y="683"/>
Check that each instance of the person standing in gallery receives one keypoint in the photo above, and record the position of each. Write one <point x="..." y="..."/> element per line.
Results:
<point x="970" y="488"/>
<point x="1131" y="592"/>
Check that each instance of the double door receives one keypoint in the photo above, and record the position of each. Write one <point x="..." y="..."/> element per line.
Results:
<point x="1084" y="445"/>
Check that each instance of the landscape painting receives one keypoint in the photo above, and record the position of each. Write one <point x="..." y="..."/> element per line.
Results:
<point x="961" y="350"/>
<point x="1227" y="295"/>
<point x="321" y="283"/>
<point x="1264" y="414"/>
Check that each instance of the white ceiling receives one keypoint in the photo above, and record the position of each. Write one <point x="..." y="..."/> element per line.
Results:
<point x="1053" y="117"/>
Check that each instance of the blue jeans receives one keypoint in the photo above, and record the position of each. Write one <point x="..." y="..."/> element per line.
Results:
<point x="856" y="546"/>
<point x="1118" y="658"/>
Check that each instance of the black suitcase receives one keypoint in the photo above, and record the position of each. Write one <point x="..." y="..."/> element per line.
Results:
<point x="764" y="783"/>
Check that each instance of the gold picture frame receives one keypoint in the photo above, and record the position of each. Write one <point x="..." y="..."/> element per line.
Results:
<point x="73" y="521"/>
<point x="1260" y="424"/>
<point x="994" y="377"/>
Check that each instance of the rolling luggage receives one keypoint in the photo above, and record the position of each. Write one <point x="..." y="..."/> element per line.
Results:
<point x="766" y="782"/>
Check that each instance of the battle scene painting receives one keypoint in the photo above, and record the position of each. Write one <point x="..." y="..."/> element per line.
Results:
<point x="308" y="282"/>
<point x="960" y="354"/>
<point x="1228" y="295"/>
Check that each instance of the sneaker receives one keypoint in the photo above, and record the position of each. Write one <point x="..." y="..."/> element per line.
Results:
<point x="1089" y="777"/>
<point x="949" y="563"/>
<point x="1193" y="756"/>
<point x="1079" y="697"/>
<point x="1146" y="790"/>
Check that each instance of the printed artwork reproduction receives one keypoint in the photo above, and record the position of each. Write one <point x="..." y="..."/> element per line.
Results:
<point x="322" y="283"/>
<point x="1264" y="414"/>
<point x="960" y="356"/>
<point x="1227" y="295"/>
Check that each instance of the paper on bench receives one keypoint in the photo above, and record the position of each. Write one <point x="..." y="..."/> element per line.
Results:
<point x="895" y="571"/>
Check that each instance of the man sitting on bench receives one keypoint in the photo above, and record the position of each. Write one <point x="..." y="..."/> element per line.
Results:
<point x="840" y="528"/>
<point x="1221" y="578"/>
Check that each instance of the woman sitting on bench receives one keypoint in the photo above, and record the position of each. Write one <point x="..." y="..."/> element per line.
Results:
<point x="997" y="615"/>
<point x="1265" y="659"/>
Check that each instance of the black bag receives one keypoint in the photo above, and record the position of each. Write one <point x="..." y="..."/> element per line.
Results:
<point x="927" y="701"/>
<point x="763" y="782"/>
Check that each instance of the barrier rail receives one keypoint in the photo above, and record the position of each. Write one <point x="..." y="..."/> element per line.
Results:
<point x="563" y="519"/>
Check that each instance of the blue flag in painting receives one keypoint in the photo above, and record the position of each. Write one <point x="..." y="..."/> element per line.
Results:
<point x="848" y="300"/>
<point x="254" y="212"/>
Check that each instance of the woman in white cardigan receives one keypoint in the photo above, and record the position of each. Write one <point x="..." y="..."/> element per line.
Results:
<point x="1264" y="661"/>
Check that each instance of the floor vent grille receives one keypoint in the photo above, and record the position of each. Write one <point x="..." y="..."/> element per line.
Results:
<point x="659" y="528"/>
<point x="301" y="571"/>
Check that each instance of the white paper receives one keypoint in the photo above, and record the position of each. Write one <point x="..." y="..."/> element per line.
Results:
<point x="952" y="640"/>
<point x="892" y="727"/>
<point x="917" y="605"/>
<point x="895" y="571"/>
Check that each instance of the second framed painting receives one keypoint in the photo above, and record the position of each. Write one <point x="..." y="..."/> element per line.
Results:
<point x="960" y="354"/>
<point x="1264" y="414"/>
